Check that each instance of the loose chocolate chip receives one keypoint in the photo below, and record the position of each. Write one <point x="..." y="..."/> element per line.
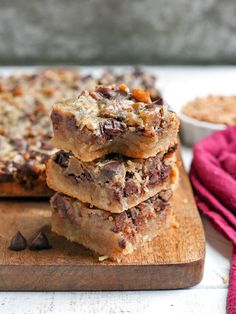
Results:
<point x="40" y="243"/>
<point x="62" y="159"/>
<point x="18" y="242"/>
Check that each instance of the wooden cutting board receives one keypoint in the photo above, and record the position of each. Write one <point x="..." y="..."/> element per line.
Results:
<point x="173" y="260"/>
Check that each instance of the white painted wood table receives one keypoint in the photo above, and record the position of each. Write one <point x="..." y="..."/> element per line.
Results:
<point x="179" y="84"/>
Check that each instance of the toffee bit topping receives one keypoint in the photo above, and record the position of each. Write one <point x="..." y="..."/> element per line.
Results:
<point x="18" y="242"/>
<point x="124" y="88"/>
<point x="141" y="95"/>
<point x="40" y="243"/>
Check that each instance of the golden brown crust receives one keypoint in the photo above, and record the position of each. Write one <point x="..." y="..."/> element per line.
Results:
<point x="14" y="189"/>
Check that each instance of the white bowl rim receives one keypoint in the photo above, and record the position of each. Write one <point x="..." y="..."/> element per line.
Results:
<point x="200" y="123"/>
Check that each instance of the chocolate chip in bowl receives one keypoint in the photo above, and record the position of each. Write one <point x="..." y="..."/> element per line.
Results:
<point x="202" y="116"/>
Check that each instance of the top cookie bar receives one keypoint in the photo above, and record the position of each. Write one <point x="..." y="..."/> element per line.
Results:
<point x="26" y="101"/>
<point x="113" y="120"/>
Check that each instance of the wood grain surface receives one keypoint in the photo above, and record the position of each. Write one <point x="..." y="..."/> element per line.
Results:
<point x="173" y="260"/>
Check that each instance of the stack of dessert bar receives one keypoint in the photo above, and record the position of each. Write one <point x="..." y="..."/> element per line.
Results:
<point x="115" y="171"/>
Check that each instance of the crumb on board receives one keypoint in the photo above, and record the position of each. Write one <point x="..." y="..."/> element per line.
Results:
<point x="175" y="224"/>
<point x="102" y="258"/>
<point x="225" y="279"/>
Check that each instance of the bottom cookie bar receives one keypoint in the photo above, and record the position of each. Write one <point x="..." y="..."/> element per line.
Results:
<point x="108" y="234"/>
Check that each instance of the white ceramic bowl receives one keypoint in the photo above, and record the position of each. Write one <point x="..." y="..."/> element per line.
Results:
<point x="193" y="130"/>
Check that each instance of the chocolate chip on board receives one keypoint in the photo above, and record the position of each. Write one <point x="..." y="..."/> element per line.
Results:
<point x="18" y="242"/>
<point x="40" y="243"/>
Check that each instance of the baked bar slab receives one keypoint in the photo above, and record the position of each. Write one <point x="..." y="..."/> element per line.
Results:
<point x="25" y="128"/>
<point x="114" y="183"/>
<point x="111" y="235"/>
<point x="113" y="120"/>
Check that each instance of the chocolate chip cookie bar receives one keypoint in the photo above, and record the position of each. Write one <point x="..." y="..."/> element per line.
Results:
<point x="108" y="234"/>
<point x="114" y="182"/>
<point x="25" y="128"/>
<point x="113" y="120"/>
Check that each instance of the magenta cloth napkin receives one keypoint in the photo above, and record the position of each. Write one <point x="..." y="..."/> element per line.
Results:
<point x="213" y="176"/>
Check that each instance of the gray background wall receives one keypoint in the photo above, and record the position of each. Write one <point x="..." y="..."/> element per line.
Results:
<point x="117" y="31"/>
